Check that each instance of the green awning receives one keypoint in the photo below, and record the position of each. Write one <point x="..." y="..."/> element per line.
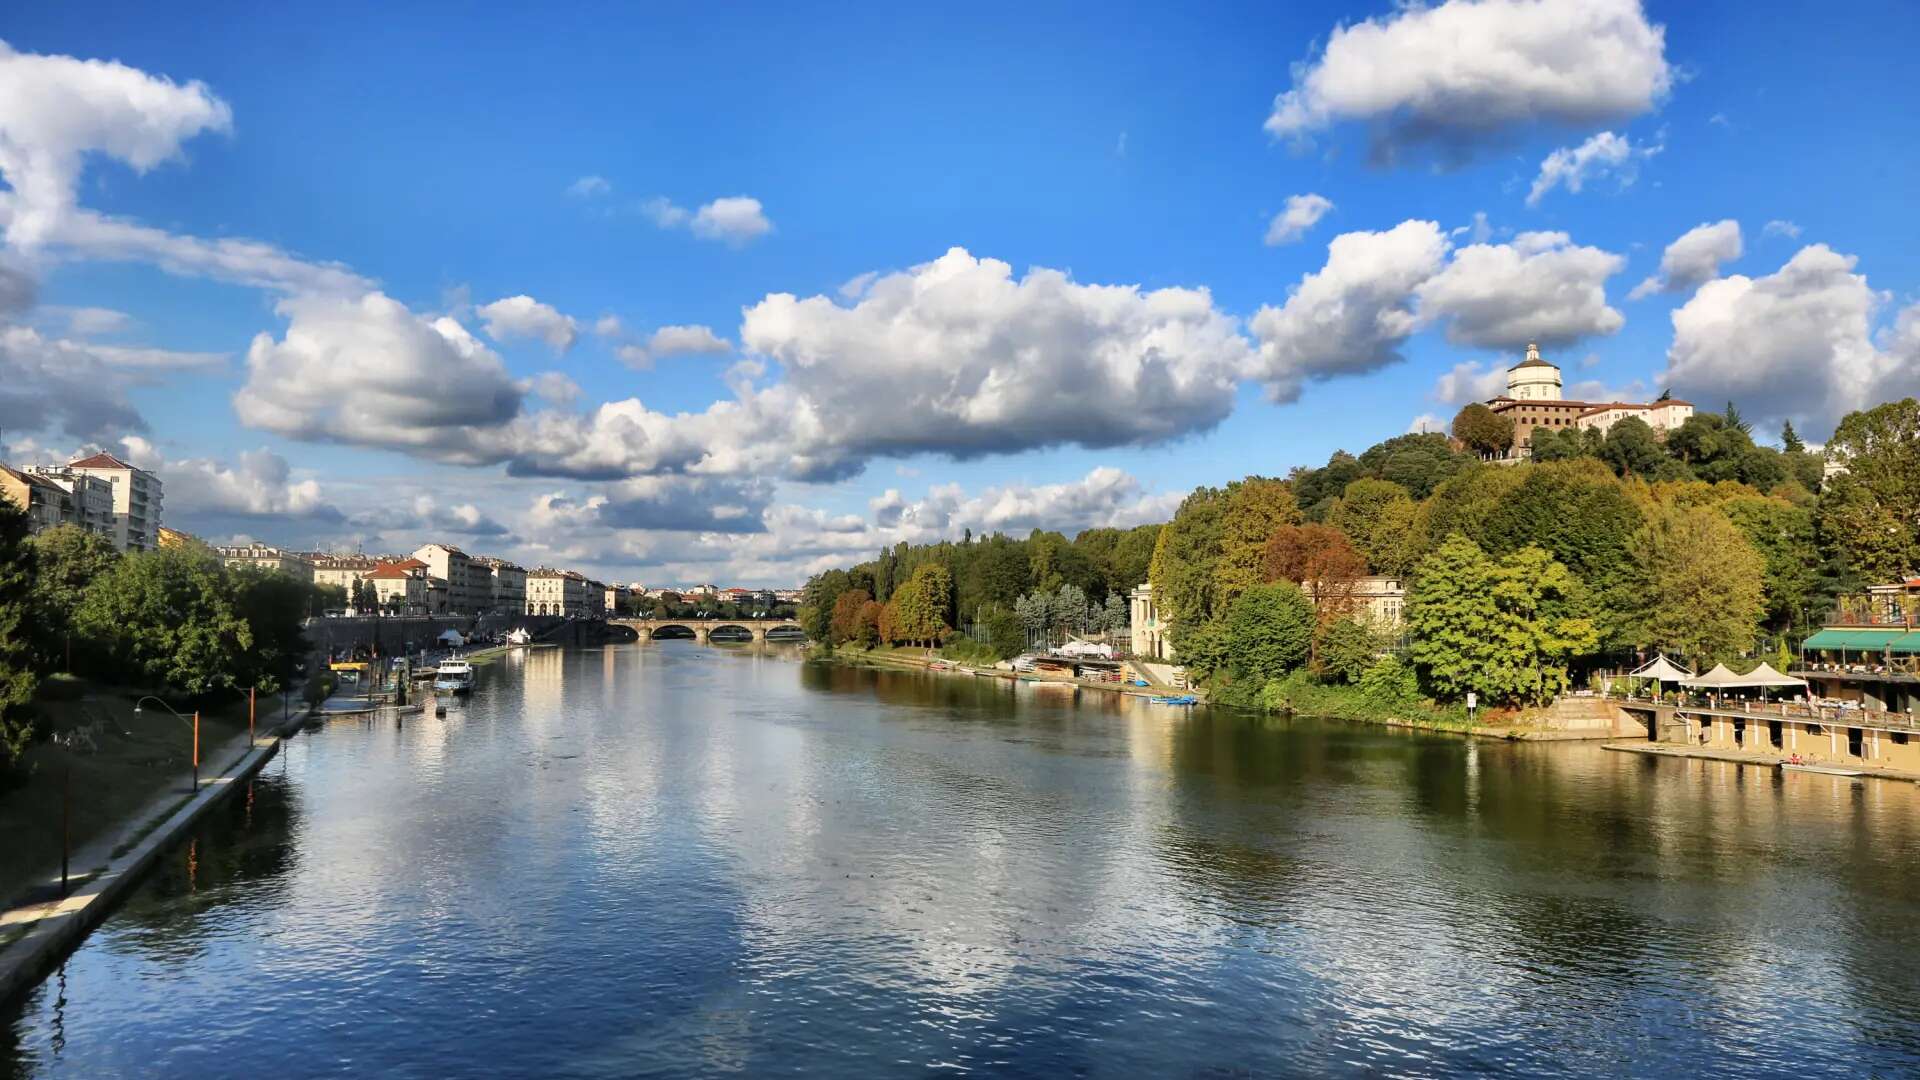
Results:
<point x="1863" y="640"/>
<point x="1908" y="642"/>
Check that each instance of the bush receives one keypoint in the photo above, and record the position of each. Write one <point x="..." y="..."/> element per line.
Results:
<point x="1005" y="634"/>
<point x="1345" y="649"/>
<point x="1269" y="631"/>
<point x="1390" y="684"/>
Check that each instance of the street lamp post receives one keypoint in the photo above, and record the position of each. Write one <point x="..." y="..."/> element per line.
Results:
<point x="195" y="723"/>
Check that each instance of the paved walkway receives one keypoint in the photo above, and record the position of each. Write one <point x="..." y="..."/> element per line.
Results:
<point x="35" y="937"/>
<point x="1754" y="758"/>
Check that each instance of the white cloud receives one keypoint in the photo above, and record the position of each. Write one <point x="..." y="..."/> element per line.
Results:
<point x="1539" y="288"/>
<point x="554" y="387"/>
<point x="524" y="317"/>
<point x="236" y="261"/>
<point x="1424" y="423"/>
<point x="1302" y="212"/>
<point x="260" y="484"/>
<point x="60" y="109"/>
<point x="1693" y="259"/>
<point x="1795" y="344"/>
<point x="1777" y="227"/>
<point x="93" y="321"/>
<point x="1467" y="72"/>
<point x="1352" y="315"/>
<point x="609" y="326"/>
<point x="1602" y="155"/>
<point x="370" y="372"/>
<point x="686" y="340"/>
<point x="52" y="384"/>
<point x="735" y="220"/>
<point x="956" y="356"/>
<point x="589" y="187"/>
<point x="1470" y="380"/>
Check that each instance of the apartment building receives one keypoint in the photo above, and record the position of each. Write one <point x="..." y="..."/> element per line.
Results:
<point x="133" y="524"/>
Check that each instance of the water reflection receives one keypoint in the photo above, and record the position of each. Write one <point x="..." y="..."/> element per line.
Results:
<point x="681" y="859"/>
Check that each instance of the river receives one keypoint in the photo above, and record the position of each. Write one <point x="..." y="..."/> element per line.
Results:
<point x="671" y="859"/>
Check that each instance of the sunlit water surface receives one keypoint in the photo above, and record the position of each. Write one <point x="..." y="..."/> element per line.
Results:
<point x="672" y="859"/>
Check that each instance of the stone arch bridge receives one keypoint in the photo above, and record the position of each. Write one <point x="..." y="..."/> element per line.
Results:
<point x="703" y="628"/>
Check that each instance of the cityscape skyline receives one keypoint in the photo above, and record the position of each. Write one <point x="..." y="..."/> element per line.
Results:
<point x="707" y="329"/>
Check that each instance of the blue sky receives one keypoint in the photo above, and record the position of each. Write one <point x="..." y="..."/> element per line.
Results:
<point x="445" y="160"/>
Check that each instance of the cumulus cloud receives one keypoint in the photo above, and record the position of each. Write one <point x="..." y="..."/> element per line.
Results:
<point x="1301" y="213"/>
<point x="19" y="289"/>
<point x="1540" y="288"/>
<point x="260" y="484"/>
<point x="1693" y="259"/>
<point x="1605" y="154"/>
<point x="1470" y="380"/>
<point x="1353" y="314"/>
<point x="61" y="109"/>
<point x="1795" y="344"/>
<point x="554" y="387"/>
<point x="1778" y="227"/>
<point x="1463" y="73"/>
<point x="372" y="373"/>
<point x="686" y="340"/>
<point x="735" y="220"/>
<point x="524" y="317"/>
<point x="957" y="356"/>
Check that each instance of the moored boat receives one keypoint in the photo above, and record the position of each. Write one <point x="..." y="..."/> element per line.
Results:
<point x="1824" y="770"/>
<point x="454" y="676"/>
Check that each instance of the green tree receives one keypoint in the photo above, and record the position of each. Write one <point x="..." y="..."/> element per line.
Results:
<point x="1344" y="649"/>
<point x="1783" y="534"/>
<point x="1504" y="628"/>
<point x="273" y="607"/>
<point x="18" y="676"/>
<point x="1269" y="631"/>
<point x="920" y="614"/>
<point x="66" y="559"/>
<point x="1419" y="462"/>
<point x="1881" y="448"/>
<point x="1632" y="448"/>
<point x="168" y="617"/>
<point x="1378" y="516"/>
<point x="1790" y="440"/>
<point x="1005" y="634"/>
<point x="1484" y="431"/>
<point x="1463" y="504"/>
<point x="1867" y="535"/>
<point x="817" y="598"/>
<point x="1253" y="509"/>
<point x="1578" y="513"/>
<point x="1184" y="558"/>
<point x="1699" y="590"/>
<point x="844" y="624"/>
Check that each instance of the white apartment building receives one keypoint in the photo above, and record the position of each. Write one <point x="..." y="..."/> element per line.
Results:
<point x="134" y="522"/>
<point x="343" y="571"/>
<point x="271" y="559"/>
<point x="469" y="588"/>
<point x="1661" y="416"/>
<point x="90" y="498"/>
<point x="559" y="592"/>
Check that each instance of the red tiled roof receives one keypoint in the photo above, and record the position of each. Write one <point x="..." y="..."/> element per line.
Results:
<point x="102" y="460"/>
<point x="390" y="572"/>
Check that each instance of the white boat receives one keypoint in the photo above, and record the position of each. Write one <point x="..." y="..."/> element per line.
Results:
<point x="454" y="676"/>
<point x="1824" y="770"/>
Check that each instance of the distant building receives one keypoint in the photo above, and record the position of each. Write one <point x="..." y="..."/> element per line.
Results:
<point x="134" y="522"/>
<point x="47" y="504"/>
<point x="469" y="588"/>
<point x="559" y="592"/>
<point x="507" y="583"/>
<point x="402" y="588"/>
<point x="343" y="571"/>
<point x="90" y="498"/>
<point x="1379" y="601"/>
<point x="1533" y="401"/>
<point x="1149" y="631"/>
<point x="173" y="538"/>
<point x="271" y="559"/>
<point x="618" y="599"/>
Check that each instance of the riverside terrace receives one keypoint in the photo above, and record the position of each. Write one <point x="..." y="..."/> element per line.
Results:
<point x="1839" y="733"/>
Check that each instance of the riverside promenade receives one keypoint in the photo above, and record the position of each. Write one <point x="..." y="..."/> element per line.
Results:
<point x="35" y="937"/>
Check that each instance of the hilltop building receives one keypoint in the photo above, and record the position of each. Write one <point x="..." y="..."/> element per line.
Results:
<point x="1534" y="399"/>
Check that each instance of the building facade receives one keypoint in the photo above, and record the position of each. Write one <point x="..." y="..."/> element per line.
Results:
<point x="469" y="588"/>
<point x="560" y="592"/>
<point x="506" y="583"/>
<point x="401" y="589"/>
<point x="343" y="571"/>
<point x="47" y="505"/>
<point x="133" y="524"/>
<point x="91" y="498"/>
<point x="270" y="559"/>
<point x="1148" y="634"/>
<point x="1534" y="401"/>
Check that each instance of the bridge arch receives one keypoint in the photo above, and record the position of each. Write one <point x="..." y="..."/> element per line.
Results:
<point x="653" y="631"/>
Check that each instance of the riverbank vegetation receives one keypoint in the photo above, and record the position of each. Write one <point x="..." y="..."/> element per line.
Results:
<point x="1703" y="543"/>
<point x="174" y="622"/>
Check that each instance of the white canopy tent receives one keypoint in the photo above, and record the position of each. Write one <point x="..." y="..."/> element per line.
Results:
<point x="451" y="637"/>
<point x="1718" y="679"/>
<point x="1765" y="675"/>
<point x="1661" y="669"/>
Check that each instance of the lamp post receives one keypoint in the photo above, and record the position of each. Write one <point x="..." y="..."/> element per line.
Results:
<point x="195" y="723"/>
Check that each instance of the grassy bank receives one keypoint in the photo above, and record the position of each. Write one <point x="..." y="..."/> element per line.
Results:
<point x="119" y="761"/>
<point x="1390" y="701"/>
